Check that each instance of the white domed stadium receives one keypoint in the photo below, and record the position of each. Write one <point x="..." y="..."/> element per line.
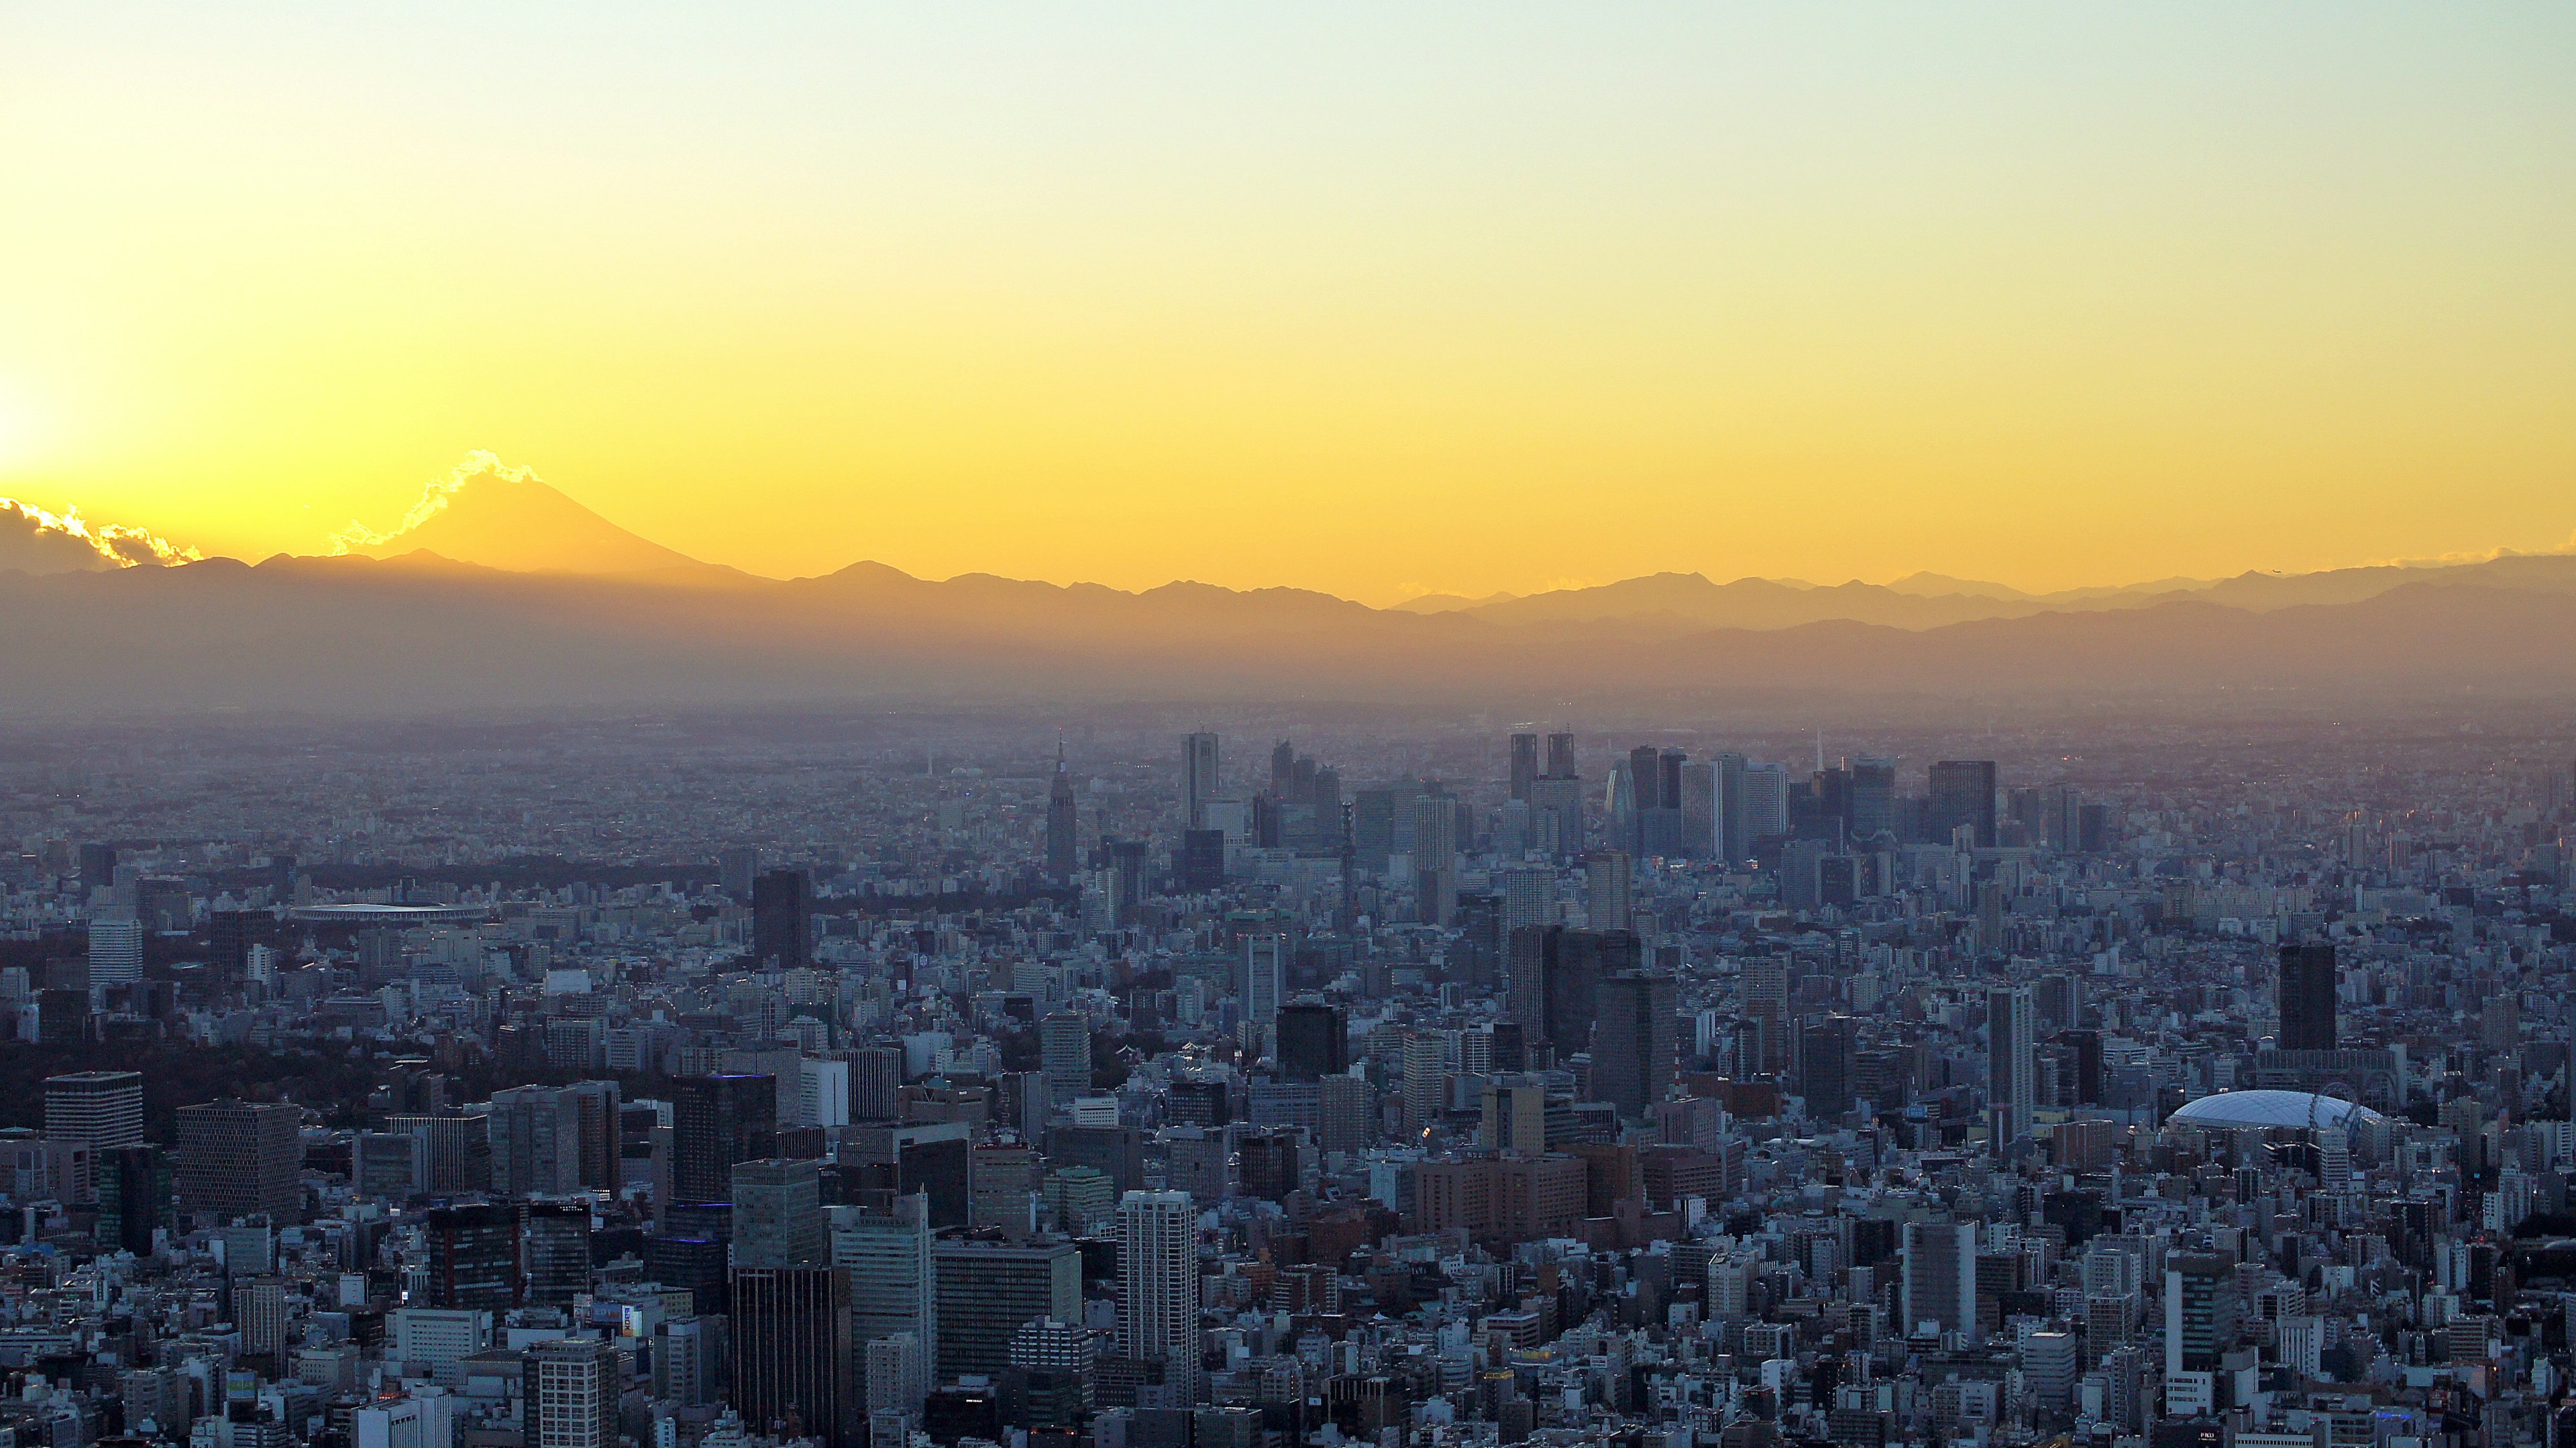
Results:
<point x="2241" y="1110"/>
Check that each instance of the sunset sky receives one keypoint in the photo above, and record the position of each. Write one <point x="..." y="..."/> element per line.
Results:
<point x="1375" y="299"/>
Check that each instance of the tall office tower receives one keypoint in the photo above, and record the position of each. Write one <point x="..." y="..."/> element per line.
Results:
<point x="2012" y="1087"/>
<point x="1645" y="778"/>
<point x="598" y="1151"/>
<point x="1524" y="765"/>
<point x="570" y="1395"/>
<point x="133" y="1197"/>
<point x="536" y="1141"/>
<point x="1158" y="1280"/>
<point x="1766" y="1012"/>
<point x="1826" y="1046"/>
<point x="1733" y="841"/>
<point x="241" y="1157"/>
<point x="2307" y="994"/>
<point x="735" y="868"/>
<point x="115" y="953"/>
<point x="1525" y="979"/>
<point x="782" y="924"/>
<point x="932" y="1157"/>
<point x="988" y="1292"/>
<point x="822" y="1093"/>
<point x="715" y="1122"/>
<point x="1573" y="965"/>
<point x="1766" y="803"/>
<point x="1476" y="956"/>
<point x="792" y="1353"/>
<point x="473" y="1257"/>
<point x="1313" y="1042"/>
<point x="886" y="1256"/>
<point x="1064" y="1054"/>
<point x="2086" y="1048"/>
<point x="1198" y="779"/>
<point x="556" y="1247"/>
<point x="1055" y="1362"/>
<point x="1560" y="757"/>
<point x="777" y="1213"/>
<point x="1940" y="1289"/>
<point x="1962" y="793"/>
<point x="2200" y="1311"/>
<point x="1435" y="857"/>
<point x="1061" y="851"/>
<point x="876" y="1082"/>
<point x="1425" y="1063"/>
<point x="1529" y="898"/>
<point x="1633" y="1041"/>
<point x="1869" y="798"/>
<point x="97" y="867"/>
<point x="103" y="1108"/>
<point x="1700" y="815"/>
<point x="1264" y="971"/>
<point x="1609" y="891"/>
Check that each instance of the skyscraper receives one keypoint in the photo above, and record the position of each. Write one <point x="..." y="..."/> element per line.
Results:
<point x="1158" y="1279"/>
<point x="792" y="1353"/>
<point x="556" y="1249"/>
<point x="115" y="953"/>
<point x="1940" y="1290"/>
<point x="1313" y="1042"/>
<point x="103" y="1108"/>
<point x="886" y="1256"/>
<point x="1572" y="964"/>
<point x="1264" y="971"/>
<point x="1061" y="851"/>
<point x="1962" y="793"/>
<point x="782" y="926"/>
<point x="777" y="1213"/>
<point x="1524" y="768"/>
<point x="2012" y="1023"/>
<point x="1435" y="857"/>
<point x="2308" y="996"/>
<point x="1064" y="1054"/>
<point x="717" y="1121"/>
<point x="1198" y="778"/>
<point x="1825" y="1049"/>
<point x="241" y="1157"/>
<point x="1609" y="890"/>
<point x="988" y="1291"/>
<point x="570" y="1397"/>
<point x="536" y="1141"/>
<point x="1633" y="1041"/>
<point x="473" y="1257"/>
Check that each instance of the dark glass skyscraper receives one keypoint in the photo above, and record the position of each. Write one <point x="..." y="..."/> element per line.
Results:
<point x="790" y="1330"/>
<point x="717" y="1121"/>
<point x="1633" y="1041"/>
<point x="1313" y="1042"/>
<point x="1963" y="793"/>
<point x="2308" y="996"/>
<point x="1524" y="764"/>
<point x="1572" y="965"/>
<point x="782" y="924"/>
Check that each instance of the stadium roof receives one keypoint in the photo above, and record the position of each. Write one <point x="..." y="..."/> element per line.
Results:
<point x="362" y="914"/>
<point x="2272" y="1108"/>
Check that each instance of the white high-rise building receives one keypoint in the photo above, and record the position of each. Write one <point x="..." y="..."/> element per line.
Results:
<point x="823" y="1092"/>
<point x="1158" y="1278"/>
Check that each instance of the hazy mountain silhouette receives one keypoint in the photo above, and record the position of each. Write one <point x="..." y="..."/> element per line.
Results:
<point x="418" y="632"/>
<point x="33" y="540"/>
<point x="508" y="518"/>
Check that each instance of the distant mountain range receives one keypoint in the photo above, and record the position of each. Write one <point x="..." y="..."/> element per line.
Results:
<point x="502" y="592"/>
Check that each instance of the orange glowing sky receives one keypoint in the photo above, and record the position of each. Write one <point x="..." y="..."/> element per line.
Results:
<point x="1372" y="299"/>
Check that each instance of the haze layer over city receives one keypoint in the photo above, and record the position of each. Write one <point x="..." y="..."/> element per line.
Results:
<point x="1706" y="727"/>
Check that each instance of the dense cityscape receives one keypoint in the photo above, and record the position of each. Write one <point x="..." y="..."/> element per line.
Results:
<point x="703" y="1082"/>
